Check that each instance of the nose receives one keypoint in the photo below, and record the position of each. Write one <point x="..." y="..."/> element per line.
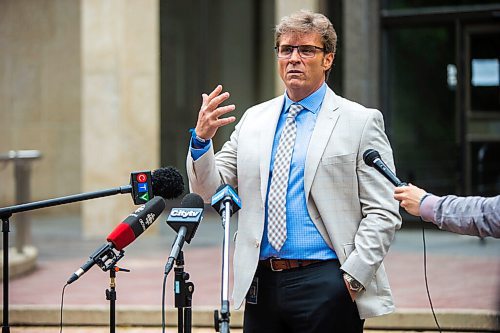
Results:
<point x="295" y="56"/>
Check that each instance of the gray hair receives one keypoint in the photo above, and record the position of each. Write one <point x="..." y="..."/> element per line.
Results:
<point x="305" y="21"/>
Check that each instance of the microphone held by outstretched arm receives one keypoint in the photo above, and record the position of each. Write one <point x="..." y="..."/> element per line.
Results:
<point x="372" y="158"/>
<point x="124" y="234"/>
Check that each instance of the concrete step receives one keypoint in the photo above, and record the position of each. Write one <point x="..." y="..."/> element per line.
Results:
<point x="403" y="320"/>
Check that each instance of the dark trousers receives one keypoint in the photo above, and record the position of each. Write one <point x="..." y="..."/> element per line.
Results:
<point x="303" y="300"/>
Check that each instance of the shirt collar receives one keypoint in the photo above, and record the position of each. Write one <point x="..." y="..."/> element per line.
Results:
<point x="311" y="102"/>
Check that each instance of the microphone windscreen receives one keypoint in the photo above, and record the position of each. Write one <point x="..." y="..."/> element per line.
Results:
<point x="167" y="183"/>
<point x="369" y="156"/>
<point x="136" y="223"/>
<point x="192" y="200"/>
<point x="121" y="236"/>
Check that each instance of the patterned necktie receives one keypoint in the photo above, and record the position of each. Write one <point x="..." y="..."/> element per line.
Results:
<point x="276" y="211"/>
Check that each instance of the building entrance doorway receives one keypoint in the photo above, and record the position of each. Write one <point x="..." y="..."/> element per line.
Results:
<point x="481" y="119"/>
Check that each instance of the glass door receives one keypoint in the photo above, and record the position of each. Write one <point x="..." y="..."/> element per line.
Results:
<point x="481" y="135"/>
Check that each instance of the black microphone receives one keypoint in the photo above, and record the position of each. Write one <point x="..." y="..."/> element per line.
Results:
<point x="165" y="182"/>
<point x="124" y="234"/>
<point x="184" y="221"/>
<point x="226" y="194"/>
<point x="372" y="158"/>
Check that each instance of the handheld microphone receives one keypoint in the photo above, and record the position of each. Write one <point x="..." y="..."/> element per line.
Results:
<point x="372" y="158"/>
<point x="185" y="221"/>
<point x="124" y="234"/>
<point x="226" y="194"/>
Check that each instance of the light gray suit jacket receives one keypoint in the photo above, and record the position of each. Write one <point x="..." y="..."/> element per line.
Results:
<point x="349" y="202"/>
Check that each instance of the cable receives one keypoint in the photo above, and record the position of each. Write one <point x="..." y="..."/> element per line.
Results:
<point x="62" y="302"/>
<point x="426" y="284"/>
<point x="163" y="303"/>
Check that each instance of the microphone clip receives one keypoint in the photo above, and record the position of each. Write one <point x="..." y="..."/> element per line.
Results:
<point x="106" y="256"/>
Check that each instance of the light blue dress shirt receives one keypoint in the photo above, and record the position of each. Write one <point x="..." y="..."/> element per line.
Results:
<point x="303" y="238"/>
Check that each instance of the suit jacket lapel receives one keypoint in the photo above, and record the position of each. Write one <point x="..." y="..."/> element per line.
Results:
<point x="269" y="121"/>
<point x="325" y="123"/>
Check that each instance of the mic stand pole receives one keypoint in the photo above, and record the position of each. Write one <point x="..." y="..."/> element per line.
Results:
<point x="183" y="295"/>
<point x="222" y="322"/>
<point x="111" y="296"/>
<point x="5" y="231"/>
<point x="6" y="213"/>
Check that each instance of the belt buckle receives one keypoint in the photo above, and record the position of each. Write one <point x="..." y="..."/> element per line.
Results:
<point x="271" y="260"/>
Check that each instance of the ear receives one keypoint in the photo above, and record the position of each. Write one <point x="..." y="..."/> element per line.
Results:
<point x="328" y="61"/>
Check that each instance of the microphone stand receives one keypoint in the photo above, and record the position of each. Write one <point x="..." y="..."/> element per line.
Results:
<point x="111" y="296"/>
<point x="222" y="322"/>
<point x="183" y="296"/>
<point x="6" y="213"/>
<point x="5" y="231"/>
<point x="107" y="260"/>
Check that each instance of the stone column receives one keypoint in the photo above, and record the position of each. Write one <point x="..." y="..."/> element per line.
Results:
<point x="361" y="51"/>
<point x="120" y="103"/>
<point x="40" y="96"/>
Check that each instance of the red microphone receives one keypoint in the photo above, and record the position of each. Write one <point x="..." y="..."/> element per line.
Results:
<point x="136" y="223"/>
<point x="124" y="234"/>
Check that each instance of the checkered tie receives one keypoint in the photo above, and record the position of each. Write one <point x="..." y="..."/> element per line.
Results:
<point x="276" y="207"/>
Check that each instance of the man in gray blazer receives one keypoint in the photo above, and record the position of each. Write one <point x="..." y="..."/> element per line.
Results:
<point x="316" y="222"/>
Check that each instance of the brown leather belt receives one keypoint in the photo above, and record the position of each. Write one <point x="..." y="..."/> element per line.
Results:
<point x="277" y="265"/>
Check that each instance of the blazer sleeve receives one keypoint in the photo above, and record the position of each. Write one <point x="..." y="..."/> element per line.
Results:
<point x="211" y="170"/>
<point x="380" y="212"/>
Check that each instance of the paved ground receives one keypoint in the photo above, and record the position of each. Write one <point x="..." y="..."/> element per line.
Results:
<point x="463" y="272"/>
<point x="141" y="330"/>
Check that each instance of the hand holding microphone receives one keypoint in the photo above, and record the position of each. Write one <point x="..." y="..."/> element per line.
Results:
<point x="409" y="202"/>
<point x="410" y="198"/>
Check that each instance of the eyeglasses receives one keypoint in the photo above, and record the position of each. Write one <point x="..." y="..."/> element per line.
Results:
<point x="305" y="51"/>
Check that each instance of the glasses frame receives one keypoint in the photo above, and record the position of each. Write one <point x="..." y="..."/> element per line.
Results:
<point x="276" y="49"/>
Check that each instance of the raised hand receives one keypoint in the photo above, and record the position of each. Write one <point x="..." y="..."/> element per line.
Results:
<point x="209" y="119"/>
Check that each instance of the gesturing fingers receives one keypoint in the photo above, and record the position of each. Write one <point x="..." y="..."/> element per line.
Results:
<point x="212" y="101"/>
<point x="210" y="112"/>
<point x="215" y="92"/>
